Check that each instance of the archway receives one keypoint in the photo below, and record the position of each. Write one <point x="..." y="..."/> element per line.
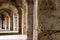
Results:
<point x="13" y="17"/>
<point x="2" y="19"/>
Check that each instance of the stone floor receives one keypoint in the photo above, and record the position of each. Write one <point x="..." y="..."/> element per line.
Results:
<point x="13" y="37"/>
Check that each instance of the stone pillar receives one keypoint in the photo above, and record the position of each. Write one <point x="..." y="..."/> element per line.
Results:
<point x="5" y="23"/>
<point x="0" y="22"/>
<point x="11" y="22"/>
<point x="20" y="20"/>
<point x="30" y="20"/>
<point x="35" y="20"/>
<point x="24" y="18"/>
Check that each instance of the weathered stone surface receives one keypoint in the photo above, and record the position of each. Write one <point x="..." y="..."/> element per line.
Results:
<point x="55" y="36"/>
<point x="49" y="19"/>
<point x="30" y="22"/>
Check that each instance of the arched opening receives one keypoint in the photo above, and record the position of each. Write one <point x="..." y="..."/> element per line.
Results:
<point x="15" y="22"/>
<point x="2" y="19"/>
<point x="10" y="19"/>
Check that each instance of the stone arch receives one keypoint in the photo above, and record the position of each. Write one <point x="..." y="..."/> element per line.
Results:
<point x="4" y="13"/>
<point x="4" y="20"/>
<point x="9" y="6"/>
<point x="14" y="11"/>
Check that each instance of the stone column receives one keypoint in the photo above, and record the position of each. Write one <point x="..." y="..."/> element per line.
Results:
<point x="5" y="24"/>
<point x="1" y="22"/>
<point x="19" y="6"/>
<point x="30" y="20"/>
<point x="24" y="18"/>
<point x="35" y="20"/>
<point x="20" y="20"/>
<point x="11" y="22"/>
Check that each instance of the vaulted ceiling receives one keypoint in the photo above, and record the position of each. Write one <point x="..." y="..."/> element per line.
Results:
<point x="9" y="6"/>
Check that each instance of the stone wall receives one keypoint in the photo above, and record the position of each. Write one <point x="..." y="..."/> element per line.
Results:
<point x="49" y="19"/>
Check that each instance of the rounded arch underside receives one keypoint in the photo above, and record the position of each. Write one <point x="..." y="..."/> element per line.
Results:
<point x="9" y="6"/>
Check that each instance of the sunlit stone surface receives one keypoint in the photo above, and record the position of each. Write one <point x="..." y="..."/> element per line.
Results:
<point x="13" y="37"/>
